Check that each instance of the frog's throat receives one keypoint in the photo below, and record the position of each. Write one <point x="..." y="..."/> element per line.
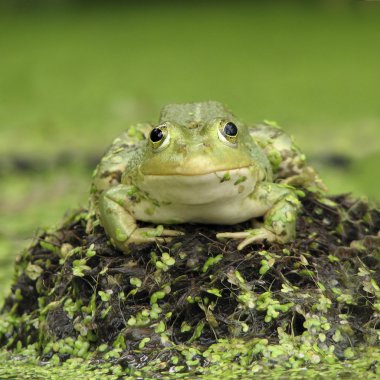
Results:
<point x="201" y="188"/>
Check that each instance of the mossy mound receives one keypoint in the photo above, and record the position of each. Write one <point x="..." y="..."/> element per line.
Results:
<point x="196" y="302"/>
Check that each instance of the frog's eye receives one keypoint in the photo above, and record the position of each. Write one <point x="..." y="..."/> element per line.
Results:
<point x="159" y="137"/>
<point x="156" y="135"/>
<point x="228" y="133"/>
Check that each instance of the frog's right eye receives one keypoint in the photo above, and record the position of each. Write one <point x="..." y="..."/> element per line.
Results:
<point x="159" y="137"/>
<point x="156" y="135"/>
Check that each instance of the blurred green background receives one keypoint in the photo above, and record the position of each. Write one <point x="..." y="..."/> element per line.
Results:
<point x="74" y="74"/>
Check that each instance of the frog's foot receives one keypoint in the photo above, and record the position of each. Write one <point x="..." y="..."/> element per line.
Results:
<point x="151" y="235"/>
<point x="250" y="236"/>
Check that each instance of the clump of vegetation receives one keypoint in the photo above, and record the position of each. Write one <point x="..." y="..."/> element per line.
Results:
<point x="200" y="304"/>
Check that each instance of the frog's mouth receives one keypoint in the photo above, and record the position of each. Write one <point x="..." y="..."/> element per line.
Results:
<point x="196" y="164"/>
<point x="193" y="173"/>
<point x="202" y="188"/>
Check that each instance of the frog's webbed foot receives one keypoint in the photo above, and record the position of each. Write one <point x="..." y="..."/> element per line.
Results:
<point x="248" y="237"/>
<point x="151" y="235"/>
<point x="279" y="223"/>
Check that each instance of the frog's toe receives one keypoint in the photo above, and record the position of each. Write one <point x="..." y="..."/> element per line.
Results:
<point x="166" y="236"/>
<point x="233" y="235"/>
<point x="139" y="239"/>
<point x="248" y="237"/>
<point x="151" y="235"/>
<point x="257" y="236"/>
<point x="167" y="232"/>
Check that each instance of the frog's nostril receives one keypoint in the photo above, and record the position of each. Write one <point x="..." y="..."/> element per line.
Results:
<point x="193" y="125"/>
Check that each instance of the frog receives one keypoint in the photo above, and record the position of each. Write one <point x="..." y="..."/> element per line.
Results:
<point x="199" y="164"/>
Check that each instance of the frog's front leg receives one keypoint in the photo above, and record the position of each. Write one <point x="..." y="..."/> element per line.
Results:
<point x="279" y="219"/>
<point x="119" y="223"/>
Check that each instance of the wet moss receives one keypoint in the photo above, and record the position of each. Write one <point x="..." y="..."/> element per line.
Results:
<point x="196" y="302"/>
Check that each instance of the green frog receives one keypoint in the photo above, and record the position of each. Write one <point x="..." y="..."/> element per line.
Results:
<point x="199" y="164"/>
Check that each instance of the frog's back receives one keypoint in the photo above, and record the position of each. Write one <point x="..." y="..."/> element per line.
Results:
<point x="288" y="162"/>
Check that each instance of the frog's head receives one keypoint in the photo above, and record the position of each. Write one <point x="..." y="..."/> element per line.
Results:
<point x="195" y="140"/>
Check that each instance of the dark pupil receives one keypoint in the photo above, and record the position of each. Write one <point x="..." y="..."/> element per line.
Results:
<point x="230" y="129"/>
<point x="156" y="135"/>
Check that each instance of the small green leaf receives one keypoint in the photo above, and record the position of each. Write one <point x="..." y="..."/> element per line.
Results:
<point x="185" y="327"/>
<point x="90" y="251"/>
<point x="48" y="246"/>
<point x="211" y="261"/>
<point x="33" y="271"/>
<point x="132" y="321"/>
<point x="155" y="232"/>
<point x="157" y="296"/>
<point x="143" y="342"/>
<point x="240" y="180"/>
<point x="135" y="282"/>
<point x="105" y="297"/>
<point x="79" y="266"/>
<point x="226" y="177"/>
<point x="120" y="235"/>
<point x="215" y="292"/>
<point x="198" y="331"/>
<point x="349" y="353"/>
<point x="239" y="277"/>
<point x="167" y="259"/>
<point x="160" y="328"/>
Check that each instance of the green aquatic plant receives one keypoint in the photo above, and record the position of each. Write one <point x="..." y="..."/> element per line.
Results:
<point x="197" y="305"/>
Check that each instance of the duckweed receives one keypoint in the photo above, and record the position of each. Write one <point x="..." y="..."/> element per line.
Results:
<point x="199" y="306"/>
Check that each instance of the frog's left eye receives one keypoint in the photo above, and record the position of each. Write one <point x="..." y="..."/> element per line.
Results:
<point x="159" y="137"/>
<point x="228" y="133"/>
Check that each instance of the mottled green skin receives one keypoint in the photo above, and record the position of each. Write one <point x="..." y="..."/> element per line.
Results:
<point x="197" y="176"/>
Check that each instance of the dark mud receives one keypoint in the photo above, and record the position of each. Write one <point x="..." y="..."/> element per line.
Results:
<point x="195" y="290"/>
